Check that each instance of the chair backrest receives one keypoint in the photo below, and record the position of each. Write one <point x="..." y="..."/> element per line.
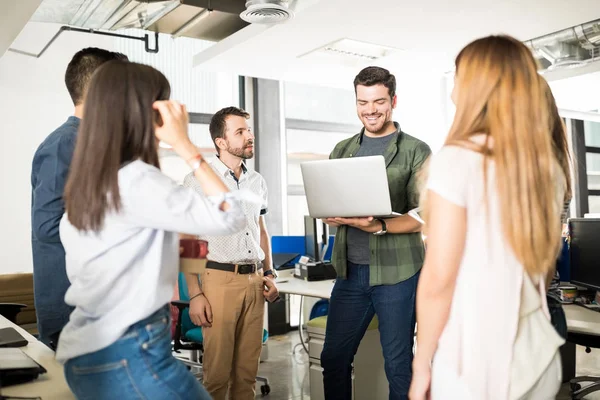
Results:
<point x="18" y="288"/>
<point x="186" y="322"/>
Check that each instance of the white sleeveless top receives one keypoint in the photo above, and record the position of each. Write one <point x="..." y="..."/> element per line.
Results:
<point x="499" y="328"/>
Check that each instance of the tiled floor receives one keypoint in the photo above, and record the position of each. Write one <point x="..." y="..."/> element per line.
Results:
<point x="587" y="364"/>
<point x="288" y="373"/>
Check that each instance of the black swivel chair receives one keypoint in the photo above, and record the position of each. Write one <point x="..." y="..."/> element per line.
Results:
<point x="11" y="310"/>
<point x="584" y="255"/>
<point x="578" y="390"/>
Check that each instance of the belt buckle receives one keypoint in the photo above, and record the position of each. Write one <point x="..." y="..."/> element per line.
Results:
<point x="244" y="269"/>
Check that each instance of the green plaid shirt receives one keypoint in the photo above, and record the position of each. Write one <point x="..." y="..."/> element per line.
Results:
<point x="394" y="257"/>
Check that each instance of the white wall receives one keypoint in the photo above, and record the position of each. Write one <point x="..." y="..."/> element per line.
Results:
<point x="34" y="102"/>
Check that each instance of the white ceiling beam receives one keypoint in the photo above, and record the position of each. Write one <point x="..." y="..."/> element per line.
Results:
<point x="14" y="17"/>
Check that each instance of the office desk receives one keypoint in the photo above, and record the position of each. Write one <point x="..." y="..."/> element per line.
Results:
<point x="49" y="386"/>
<point x="287" y="283"/>
<point x="582" y="320"/>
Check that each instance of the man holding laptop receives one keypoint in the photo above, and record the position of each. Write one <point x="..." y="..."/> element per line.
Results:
<point x="377" y="260"/>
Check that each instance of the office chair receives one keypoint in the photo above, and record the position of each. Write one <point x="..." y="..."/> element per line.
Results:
<point x="11" y="310"/>
<point x="578" y="391"/>
<point x="189" y="336"/>
<point x="583" y="255"/>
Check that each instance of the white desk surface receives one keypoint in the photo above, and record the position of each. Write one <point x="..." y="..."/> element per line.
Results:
<point x="287" y="283"/>
<point x="579" y="319"/>
<point x="582" y="320"/>
<point x="49" y="386"/>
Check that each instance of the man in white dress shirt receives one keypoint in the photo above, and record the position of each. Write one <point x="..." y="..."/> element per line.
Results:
<point x="229" y="303"/>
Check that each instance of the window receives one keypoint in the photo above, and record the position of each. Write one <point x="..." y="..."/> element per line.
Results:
<point x="174" y="166"/>
<point x="312" y="115"/>
<point x="591" y="131"/>
<point x="201" y="91"/>
<point x="304" y="146"/>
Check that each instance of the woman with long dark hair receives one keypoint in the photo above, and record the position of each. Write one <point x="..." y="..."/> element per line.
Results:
<point x="120" y="234"/>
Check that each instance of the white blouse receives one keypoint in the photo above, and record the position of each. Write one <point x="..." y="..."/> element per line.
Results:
<point x="127" y="271"/>
<point x="498" y="328"/>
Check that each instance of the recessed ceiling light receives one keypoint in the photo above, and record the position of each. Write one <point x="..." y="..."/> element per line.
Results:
<point x="351" y="51"/>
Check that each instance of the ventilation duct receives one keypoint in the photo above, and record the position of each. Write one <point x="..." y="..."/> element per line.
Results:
<point x="267" y="11"/>
<point x="570" y="48"/>
<point x="211" y="20"/>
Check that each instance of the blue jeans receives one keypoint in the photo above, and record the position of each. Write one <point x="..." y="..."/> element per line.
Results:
<point x="138" y="366"/>
<point x="352" y="306"/>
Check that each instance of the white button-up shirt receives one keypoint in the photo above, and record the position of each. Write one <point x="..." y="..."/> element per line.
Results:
<point x="127" y="271"/>
<point x="244" y="246"/>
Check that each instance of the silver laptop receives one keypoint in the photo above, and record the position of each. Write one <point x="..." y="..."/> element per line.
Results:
<point x="347" y="187"/>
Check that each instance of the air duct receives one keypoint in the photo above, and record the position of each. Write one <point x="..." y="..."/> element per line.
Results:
<point x="267" y="11"/>
<point x="569" y="47"/>
<point x="212" y="20"/>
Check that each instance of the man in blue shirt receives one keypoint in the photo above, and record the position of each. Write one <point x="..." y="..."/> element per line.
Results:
<point x="48" y="177"/>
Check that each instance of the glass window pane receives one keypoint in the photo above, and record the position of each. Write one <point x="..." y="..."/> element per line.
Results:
<point x="594" y="203"/>
<point x="200" y="136"/>
<point x="592" y="162"/>
<point x="591" y="130"/>
<point x="593" y="180"/>
<point x="297" y="209"/>
<point x="316" y="103"/>
<point x="174" y="166"/>
<point x="308" y="145"/>
<point x="313" y="142"/>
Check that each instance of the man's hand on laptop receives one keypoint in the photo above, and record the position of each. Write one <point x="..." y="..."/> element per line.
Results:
<point x="367" y="224"/>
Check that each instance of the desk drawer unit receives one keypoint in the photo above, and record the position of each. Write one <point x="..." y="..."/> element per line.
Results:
<point x="368" y="381"/>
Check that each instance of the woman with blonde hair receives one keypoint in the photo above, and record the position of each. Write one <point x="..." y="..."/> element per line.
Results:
<point x="492" y="205"/>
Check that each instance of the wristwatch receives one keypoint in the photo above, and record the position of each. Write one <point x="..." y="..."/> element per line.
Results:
<point x="383" y="230"/>
<point x="270" y="272"/>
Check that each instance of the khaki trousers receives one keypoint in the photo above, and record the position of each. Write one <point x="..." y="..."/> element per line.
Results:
<point x="232" y="345"/>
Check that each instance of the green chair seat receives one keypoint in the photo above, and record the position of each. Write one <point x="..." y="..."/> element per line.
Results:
<point x="194" y="335"/>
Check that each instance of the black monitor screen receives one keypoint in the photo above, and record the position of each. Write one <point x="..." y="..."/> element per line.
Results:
<point x="311" y="238"/>
<point x="585" y="252"/>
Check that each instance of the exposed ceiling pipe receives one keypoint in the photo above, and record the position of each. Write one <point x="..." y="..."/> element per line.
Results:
<point x="587" y="34"/>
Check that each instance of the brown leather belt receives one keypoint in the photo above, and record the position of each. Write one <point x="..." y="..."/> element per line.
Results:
<point x="237" y="268"/>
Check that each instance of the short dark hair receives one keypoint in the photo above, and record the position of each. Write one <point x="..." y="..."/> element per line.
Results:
<point x="372" y="76"/>
<point x="217" y="122"/>
<point x="83" y="65"/>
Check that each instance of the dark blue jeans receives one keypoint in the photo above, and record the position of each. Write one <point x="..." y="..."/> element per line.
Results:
<point x="137" y="366"/>
<point x="352" y="306"/>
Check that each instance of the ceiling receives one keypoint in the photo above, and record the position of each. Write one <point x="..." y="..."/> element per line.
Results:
<point x="12" y="19"/>
<point x="425" y="34"/>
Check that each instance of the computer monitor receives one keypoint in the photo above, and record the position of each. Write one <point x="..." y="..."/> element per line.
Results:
<point x="316" y="236"/>
<point x="585" y="252"/>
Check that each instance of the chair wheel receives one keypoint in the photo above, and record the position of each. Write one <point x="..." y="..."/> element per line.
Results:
<point x="575" y="387"/>
<point x="265" y="389"/>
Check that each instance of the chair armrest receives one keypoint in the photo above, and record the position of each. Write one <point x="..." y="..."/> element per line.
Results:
<point x="180" y="304"/>
<point x="11" y="310"/>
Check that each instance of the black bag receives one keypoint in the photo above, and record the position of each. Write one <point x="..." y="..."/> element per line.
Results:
<point x="557" y="316"/>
